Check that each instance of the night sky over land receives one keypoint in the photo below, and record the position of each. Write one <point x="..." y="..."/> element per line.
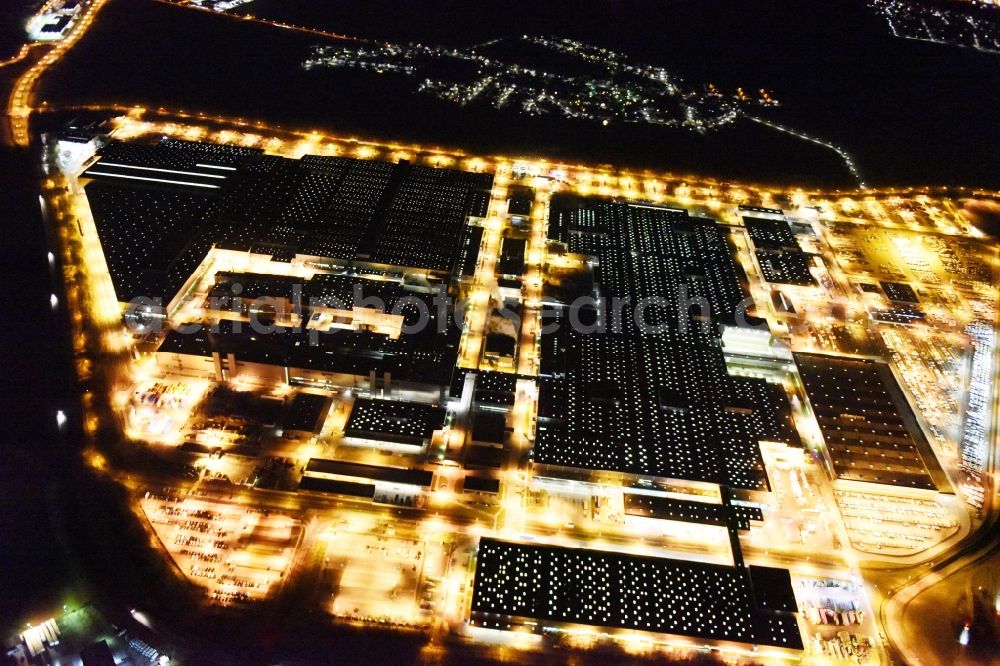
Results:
<point x="910" y="112"/>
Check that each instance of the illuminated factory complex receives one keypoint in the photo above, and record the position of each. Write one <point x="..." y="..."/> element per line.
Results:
<point x="538" y="404"/>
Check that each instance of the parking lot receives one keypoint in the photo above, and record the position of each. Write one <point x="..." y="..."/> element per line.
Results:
<point x="893" y="525"/>
<point x="236" y="553"/>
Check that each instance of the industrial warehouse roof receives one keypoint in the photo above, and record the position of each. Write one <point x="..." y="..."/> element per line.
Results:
<point x="490" y="427"/>
<point x="351" y="488"/>
<point x="306" y="412"/>
<point x="495" y="388"/>
<point x="768" y="233"/>
<point x="786" y="267"/>
<point x="481" y="484"/>
<point x="772" y="588"/>
<point x="579" y="586"/>
<point x="351" y="470"/>
<point x="899" y="291"/>
<point x="393" y="420"/>
<point x="480" y="457"/>
<point x="178" y="155"/>
<point x="519" y="200"/>
<point x="663" y="404"/>
<point x="511" y="259"/>
<point x="329" y="290"/>
<point x="666" y="508"/>
<point x="425" y="356"/>
<point x="500" y="344"/>
<point x="689" y="511"/>
<point x="645" y="251"/>
<point x="779" y="255"/>
<point x="866" y="423"/>
<point x="659" y="405"/>
<point x="468" y="254"/>
<point x="153" y="239"/>
<point x="160" y="208"/>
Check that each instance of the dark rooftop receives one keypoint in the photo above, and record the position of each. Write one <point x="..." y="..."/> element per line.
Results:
<point x="608" y="589"/>
<point x="868" y="428"/>
<point x="394" y="421"/>
<point x="500" y="344"/>
<point x="306" y="412"/>
<point x="666" y="508"/>
<point x="336" y="487"/>
<point x="481" y="484"/>
<point x="786" y="267"/>
<point x="770" y="234"/>
<point x="511" y="259"/>
<point x="484" y="457"/>
<point x="490" y="427"/>
<point x="519" y="200"/>
<point x="351" y="470"/>
<point x="160" y="207"/>
<point x="657" y="401"/>
<point x="425" y="356"/>
<point x="457" y="384"/>
<point x="57" y="25"/>
<point x="468" y="257"/>
<point x="495" y="388"/>
<point x="900" y="292"/>
<point x="772" y="589"/>
<point x="689" y="511"/>
<point x="97" y="654"/>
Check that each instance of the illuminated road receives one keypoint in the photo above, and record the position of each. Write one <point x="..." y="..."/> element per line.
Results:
<point x="253" y="19"/>
<point x="21" y="101"/>
<point x="952" y="591"/>
<point x="899" y="587"/>
<point x="21" y="55"/>
<point x="849" y="162"/>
